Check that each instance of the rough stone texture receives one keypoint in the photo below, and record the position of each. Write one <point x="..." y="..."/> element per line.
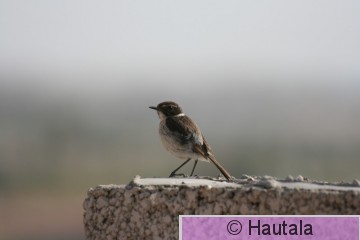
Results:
<point x="149" y="208"/>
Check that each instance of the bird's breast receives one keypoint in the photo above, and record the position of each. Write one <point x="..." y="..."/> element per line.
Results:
<point x="180" y="146"/>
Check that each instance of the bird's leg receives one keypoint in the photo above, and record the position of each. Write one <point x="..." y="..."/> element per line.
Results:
<point x="196" y="161"/>
<point x="173" y="172"/>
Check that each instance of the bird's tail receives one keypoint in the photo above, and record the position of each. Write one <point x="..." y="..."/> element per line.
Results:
<point x="221" y="168"/>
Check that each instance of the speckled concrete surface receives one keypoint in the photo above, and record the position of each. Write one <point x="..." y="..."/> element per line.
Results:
<point x="149" y="208"/>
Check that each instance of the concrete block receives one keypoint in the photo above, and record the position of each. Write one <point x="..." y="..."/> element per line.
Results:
<point x="148" y="208"/>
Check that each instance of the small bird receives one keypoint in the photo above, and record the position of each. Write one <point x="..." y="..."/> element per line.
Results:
<point x="182" y="137"/>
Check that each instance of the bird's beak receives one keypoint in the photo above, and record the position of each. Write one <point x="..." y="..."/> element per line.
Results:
<point x="155" y="108"/>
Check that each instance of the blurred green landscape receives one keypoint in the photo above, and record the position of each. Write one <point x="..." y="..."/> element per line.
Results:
<point x="274" y="86"/>
<point x="278" y="130"/>
<point x="53" y="148"/>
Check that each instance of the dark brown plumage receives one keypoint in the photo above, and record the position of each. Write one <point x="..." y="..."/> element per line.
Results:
<point x="182" y="137"/>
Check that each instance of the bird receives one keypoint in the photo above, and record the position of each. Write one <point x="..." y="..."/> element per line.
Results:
<point x="182" y="137"/>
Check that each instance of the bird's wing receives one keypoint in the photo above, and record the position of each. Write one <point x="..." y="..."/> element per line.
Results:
<point x="188" y="132"/>
<point x="185" y="130"/>
<point x="203" y="149"/>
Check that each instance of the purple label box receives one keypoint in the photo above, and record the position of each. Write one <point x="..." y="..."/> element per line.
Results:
<point x="269" y="227"/>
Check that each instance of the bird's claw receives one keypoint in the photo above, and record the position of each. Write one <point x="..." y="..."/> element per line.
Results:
<point x="177" y="175"/>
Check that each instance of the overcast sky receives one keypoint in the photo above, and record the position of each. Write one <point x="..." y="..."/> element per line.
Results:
<point x="152" y="37"/>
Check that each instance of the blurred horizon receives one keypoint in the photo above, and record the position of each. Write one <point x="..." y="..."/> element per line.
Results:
<point x="302" y="123"/>
<point x="274" y="86"/>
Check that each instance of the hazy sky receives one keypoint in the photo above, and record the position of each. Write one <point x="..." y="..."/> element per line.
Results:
<point x="249" y="72"/>
<point x="181" y="37"/>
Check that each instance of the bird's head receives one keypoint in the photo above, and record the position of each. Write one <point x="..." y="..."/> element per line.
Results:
<point x="167" y="109"/>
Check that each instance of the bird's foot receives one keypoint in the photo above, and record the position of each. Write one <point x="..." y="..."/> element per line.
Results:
<point x="177" y="175"/>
